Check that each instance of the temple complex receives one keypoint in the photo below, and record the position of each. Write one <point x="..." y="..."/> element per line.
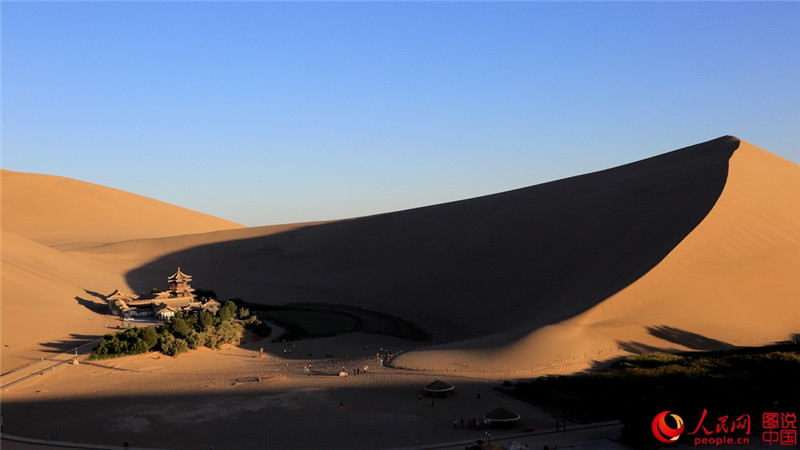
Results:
<point x="162" y="305"/>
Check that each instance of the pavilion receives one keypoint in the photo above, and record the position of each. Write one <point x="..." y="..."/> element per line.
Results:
<point x="439" y="388"/>
<point x="501" y="417"/>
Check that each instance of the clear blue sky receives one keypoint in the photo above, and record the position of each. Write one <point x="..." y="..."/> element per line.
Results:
<point x="267" y="112"/>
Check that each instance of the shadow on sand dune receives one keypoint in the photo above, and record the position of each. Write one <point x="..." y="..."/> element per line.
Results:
<point x="515" y="260"/>
<point x="674" y="337"/>
<point x="688" y="339"/>
<point x="68" y="345"/>
<point x="95" y="307"/>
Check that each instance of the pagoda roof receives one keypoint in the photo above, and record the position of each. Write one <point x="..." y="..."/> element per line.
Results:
<point x="117" y="294"/>
<point x="164" y="307"/>
<point x="179" y="276"/>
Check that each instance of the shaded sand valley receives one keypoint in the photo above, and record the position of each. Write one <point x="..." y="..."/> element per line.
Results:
<point x="214" y="398"/>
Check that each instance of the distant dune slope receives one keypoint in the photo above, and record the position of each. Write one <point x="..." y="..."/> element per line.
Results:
<point x="517" y="260"/>
<point x="732" y="281"/>
<point x="67" y="213"/>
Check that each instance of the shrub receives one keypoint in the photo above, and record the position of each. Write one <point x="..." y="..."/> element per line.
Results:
<point x="257" y="326"/>
<point x="204" y="320"/>
<point x="166" y="342"/>
<point x="196" y="340"/>
<point x="227" y="312"/>
<point x="183" y="333"/>
<point x="150" y="337"/>
<point x="227" y="332"/>
<point x="213" y="341"/>
<point x="180" y="327"/>
<point x="180" y="347"/>
<point x="129" y="342"/>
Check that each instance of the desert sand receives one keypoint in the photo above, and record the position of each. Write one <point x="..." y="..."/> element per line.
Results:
<point x="214" y="398"/>
<point x="730" y="282"/>
<point x="694" y="249"/>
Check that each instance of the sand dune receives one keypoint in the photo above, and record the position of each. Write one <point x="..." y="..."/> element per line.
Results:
<point x="694" y="247"/>
<point x="65" y="213"/>
<point x="46" y="303"/>
<point x="732" y="281"/>
<point x="518" y="260"/>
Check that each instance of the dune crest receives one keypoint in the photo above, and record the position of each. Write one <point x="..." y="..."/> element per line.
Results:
<point x="68" y="214"/>
<point x="731" y="282"/>
<point x="695" y="248"/>
<point x="510" y="262"/>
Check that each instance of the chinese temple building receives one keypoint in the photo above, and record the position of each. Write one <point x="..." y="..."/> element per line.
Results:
<point x="179" y="285"/>
<point x="163" y="305"/>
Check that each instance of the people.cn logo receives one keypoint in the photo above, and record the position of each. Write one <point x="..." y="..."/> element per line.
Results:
<point x="663" y="431"/>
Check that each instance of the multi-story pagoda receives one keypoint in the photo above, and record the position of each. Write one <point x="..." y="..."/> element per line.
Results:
<point x="164" y="305"/>
<point x="179" y="285"/>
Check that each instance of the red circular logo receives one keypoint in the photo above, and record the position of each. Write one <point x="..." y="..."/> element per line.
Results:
<point x="665" y="433"/>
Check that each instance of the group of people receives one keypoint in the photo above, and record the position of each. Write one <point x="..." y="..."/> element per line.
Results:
<point x="473" y="424"/>
<point x="357" y="370"/>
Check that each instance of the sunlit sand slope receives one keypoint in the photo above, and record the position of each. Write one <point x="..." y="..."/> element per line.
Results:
<point x="732" y="281"/>
<point x="48" y="300"/>
<point x="50" y="297"/>
<point x="67" y="213"/>
<point x="518" y="260"/>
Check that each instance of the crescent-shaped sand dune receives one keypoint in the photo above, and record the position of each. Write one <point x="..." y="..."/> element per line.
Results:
<point x="733" y="281"/>
<point x="696" y="248"/>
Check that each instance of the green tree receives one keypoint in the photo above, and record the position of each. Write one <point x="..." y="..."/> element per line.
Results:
<point x="196" y="340"/>
<point x="180" y="346"/>
<point x="180" y="327"/>
<point x="212" y="340"/>
<point x="204" y="320"/>
<point x="227" y="312"/>
<point x="228" y="332"/>
<point x="150" y="337"/>
<point x="166" y="342"/>
<point x="137" y="347"/>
